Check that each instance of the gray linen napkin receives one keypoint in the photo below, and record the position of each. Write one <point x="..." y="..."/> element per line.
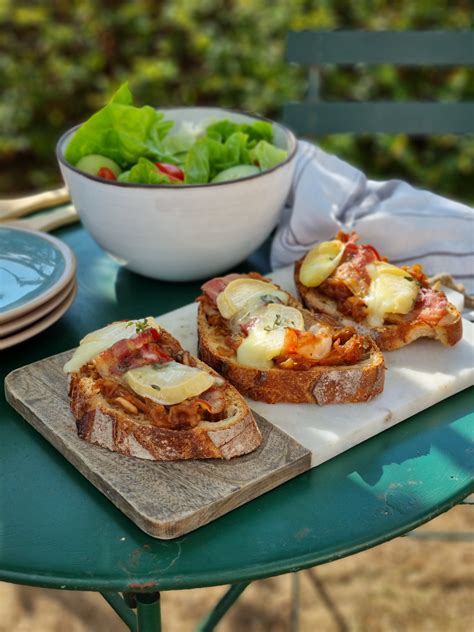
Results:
<point x="406" y="224"/>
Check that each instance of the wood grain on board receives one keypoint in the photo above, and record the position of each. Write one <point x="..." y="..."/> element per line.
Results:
<point x="165" y="499"/>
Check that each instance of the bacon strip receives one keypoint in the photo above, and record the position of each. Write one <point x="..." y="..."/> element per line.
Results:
<point x="352" y="271"/>
<point x="431" y="306"/>
<point x="131" y="353"/>
<point x="214" y="287"/>
<point x="189" y="413"/>
<point x="213" y="400"/>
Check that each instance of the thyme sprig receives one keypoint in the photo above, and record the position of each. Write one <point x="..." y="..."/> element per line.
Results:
<point x="140" y="325"/>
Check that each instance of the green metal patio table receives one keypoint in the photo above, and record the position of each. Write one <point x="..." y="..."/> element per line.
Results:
<point x="58" y="531"/>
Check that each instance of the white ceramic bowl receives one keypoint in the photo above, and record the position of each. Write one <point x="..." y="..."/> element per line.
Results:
<point x="188" y="232"/>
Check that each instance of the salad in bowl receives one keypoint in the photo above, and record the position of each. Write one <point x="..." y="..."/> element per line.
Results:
<point x="180" y="193"/>
<point x="141" y="145"/>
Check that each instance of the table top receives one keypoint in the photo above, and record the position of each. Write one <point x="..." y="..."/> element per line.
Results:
<point x="57" y="530"/>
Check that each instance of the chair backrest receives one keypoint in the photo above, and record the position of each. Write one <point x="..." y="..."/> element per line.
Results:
<point x="401" y="48"/>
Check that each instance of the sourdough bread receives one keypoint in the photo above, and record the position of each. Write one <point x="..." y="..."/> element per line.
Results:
<point x="390" y="336"/>
<point x="320" y="384"/>
<point x="101" y="422"/>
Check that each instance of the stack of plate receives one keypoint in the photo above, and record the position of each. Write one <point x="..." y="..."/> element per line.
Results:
<point x="37" y="283"/>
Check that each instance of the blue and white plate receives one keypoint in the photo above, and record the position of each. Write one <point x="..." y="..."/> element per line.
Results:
<point x="41" y="324"/>
<point x="34" y="267"/>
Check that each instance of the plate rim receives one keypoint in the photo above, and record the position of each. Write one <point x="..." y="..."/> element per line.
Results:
<point x="40" y="325"/>
<point x="36" y="314"/>
<point x="67" y="275"/>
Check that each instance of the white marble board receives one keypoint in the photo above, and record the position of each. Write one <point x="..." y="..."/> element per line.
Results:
<point x="417" y="377"/>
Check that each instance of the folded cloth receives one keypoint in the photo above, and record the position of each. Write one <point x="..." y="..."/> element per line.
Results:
<point x="405" y="224"/>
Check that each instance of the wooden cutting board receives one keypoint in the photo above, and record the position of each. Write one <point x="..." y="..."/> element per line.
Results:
<point x="166" y="500"/>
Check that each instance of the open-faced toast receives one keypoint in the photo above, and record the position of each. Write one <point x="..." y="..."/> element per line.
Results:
<point x="394" y="305"/>
<point x="134" y="390"/>
<point x="272" y="349"/>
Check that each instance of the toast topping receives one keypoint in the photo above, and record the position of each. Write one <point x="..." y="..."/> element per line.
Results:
<point x="320" y="262"/>
<point x="432" y="308"/>
<point x="97" y="341"/>
<point x="130" y="353"/>
<point x="365" y="287"/>
<point x="169" y="383"/>
<point x="265" y="333"/>
<point x="256" y="310"/>
<point x="136" y="355"/>
<point x="215" y="286"/>
<point x="391" y="291"/>
<point x="248" y="294"/>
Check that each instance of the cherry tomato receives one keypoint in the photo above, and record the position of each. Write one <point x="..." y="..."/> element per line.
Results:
<point x="106" y="173"/>
<point x="352" y="249"/>
<point x="369" y="247"/>
<point x="174" y="172"/>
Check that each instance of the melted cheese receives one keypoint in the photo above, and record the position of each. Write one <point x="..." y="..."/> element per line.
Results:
<point x="101" y="339"/>
<point x="275" y="316"/>
<point x="320" y="262"/>
<point x="246" y="294"/>
<point x="391" y="291"/>
<point x="169" y="383"/>
<point x="266" y="338"/>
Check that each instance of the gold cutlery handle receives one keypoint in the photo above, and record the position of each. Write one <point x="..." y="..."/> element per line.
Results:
<point x="49" y="221"/>
<point x="10" y="209"/>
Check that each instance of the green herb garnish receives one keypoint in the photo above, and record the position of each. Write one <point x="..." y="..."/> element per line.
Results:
<point x="279" y="322"/>
<point x="156" y="387"/>
<point x="140" y="325"/>
<point x="270" y="298"/>
<point x="159" y="365"/>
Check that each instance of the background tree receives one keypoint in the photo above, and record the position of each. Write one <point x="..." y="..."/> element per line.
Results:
<point x="59" y="61"/>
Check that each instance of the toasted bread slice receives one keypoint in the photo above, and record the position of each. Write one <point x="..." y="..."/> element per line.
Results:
<point x="394" y="333"/>
<point x="105" y="422"/>
<point x="321" y="384"/>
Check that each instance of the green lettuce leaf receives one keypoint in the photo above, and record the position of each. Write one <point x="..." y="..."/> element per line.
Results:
<point x="135" y="138"/>
<point x="197" y="164"/>
<point x="144" y="172"/>
<point x="122" y="132"/>
<point x="222" y="130"/>
<point x="266" y="155"/>
<point x="260" y="130"/>
<point x="179" y="143"/>
<point x="237" y="152"/>
<point x="208" y="157"/>
<point x="123" y="95"/>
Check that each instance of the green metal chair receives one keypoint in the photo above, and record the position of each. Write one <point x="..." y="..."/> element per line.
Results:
<point x="315" y="49"/>
<point x="315" y="117"/>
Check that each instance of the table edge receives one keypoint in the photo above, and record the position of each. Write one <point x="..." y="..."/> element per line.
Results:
<point x="147" y="584"/>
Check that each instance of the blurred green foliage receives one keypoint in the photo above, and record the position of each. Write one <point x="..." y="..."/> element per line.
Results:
<point x="59" y="62"/>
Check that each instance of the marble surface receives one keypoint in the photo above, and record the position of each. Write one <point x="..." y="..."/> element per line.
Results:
<point x="417" y="377"/>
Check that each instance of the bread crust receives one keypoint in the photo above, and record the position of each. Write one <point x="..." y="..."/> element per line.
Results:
<point x="389" y="337"/>
<point x="107" y="426"/>
<point x="360" y="382"/>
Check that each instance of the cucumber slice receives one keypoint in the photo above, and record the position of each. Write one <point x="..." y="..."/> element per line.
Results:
<point x="93" y="162"/>
<point x="235" y="173"/>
